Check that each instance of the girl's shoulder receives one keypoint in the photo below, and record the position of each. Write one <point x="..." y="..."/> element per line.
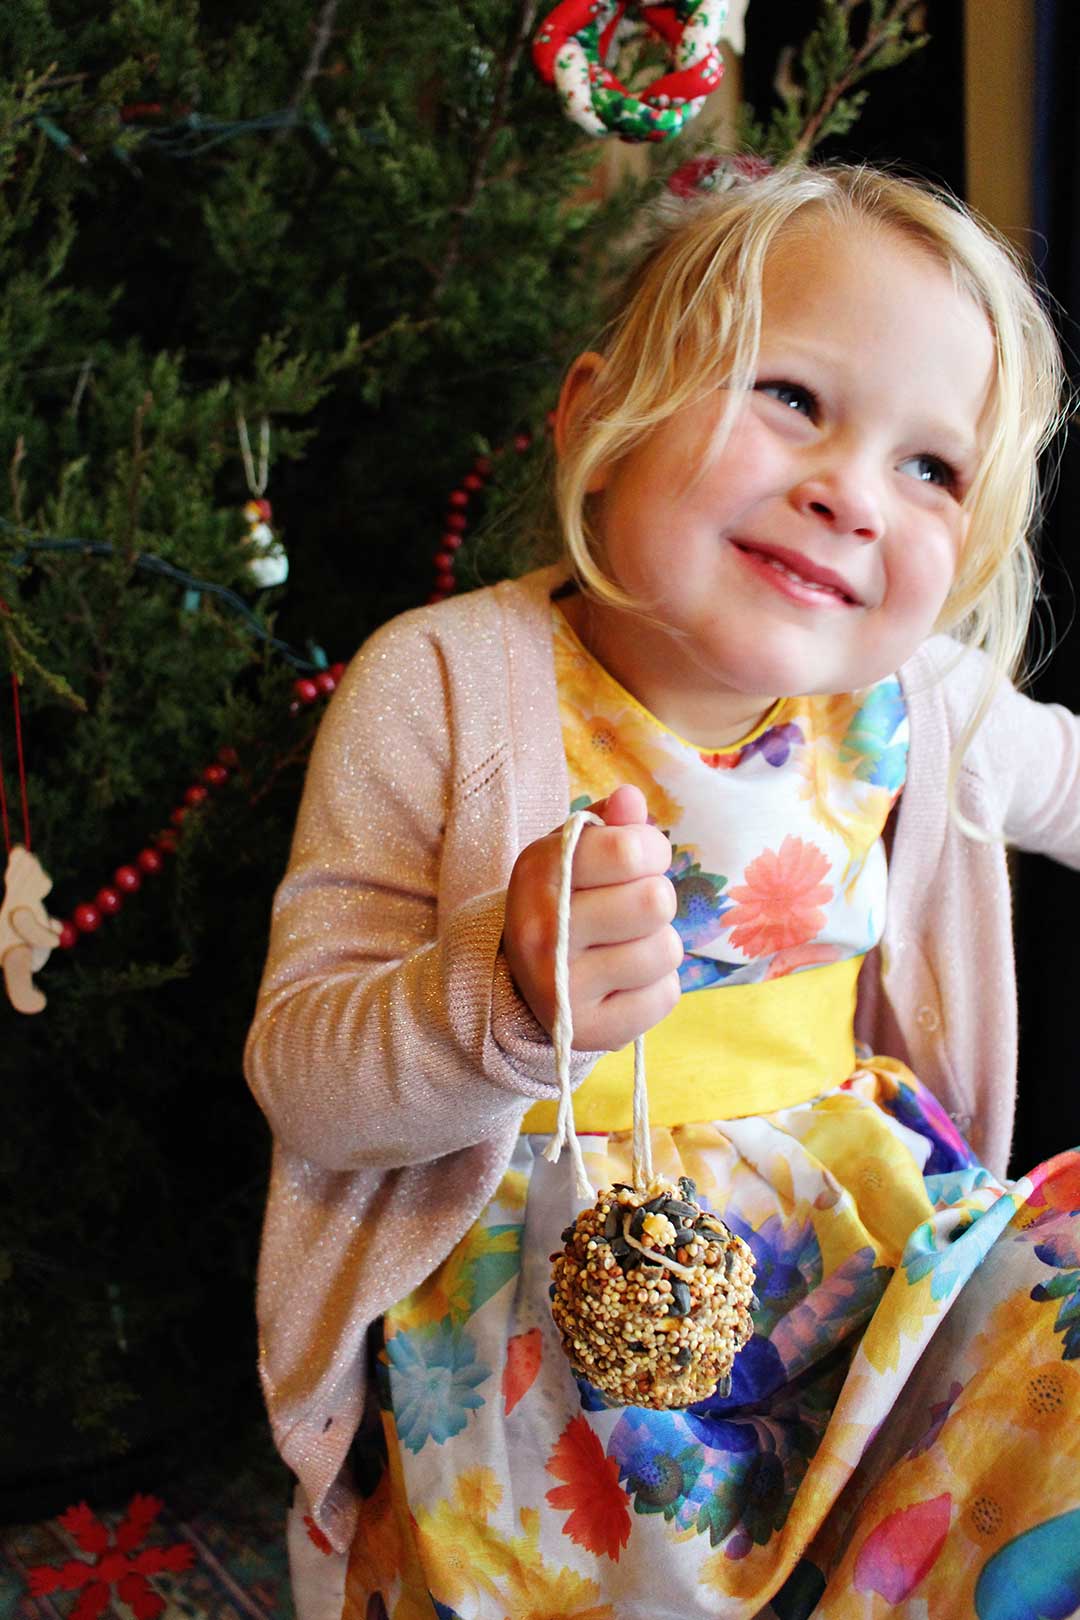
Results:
<point x="948" y="675"/>
<point x="947" y="683"/>
<point x="1016" y="746"/>
<point x="466" y="620"/>
<point x="476" y="665"/>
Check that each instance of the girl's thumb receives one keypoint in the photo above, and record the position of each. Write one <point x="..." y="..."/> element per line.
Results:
<point x="625" y="807"/>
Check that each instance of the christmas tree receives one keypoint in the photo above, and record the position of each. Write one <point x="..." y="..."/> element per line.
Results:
<point x="334" y="259"/>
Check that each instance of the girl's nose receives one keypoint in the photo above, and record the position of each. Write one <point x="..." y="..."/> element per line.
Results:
<point x="845" y="501"/>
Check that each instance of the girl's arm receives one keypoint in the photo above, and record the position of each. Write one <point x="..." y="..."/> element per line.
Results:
<point x="388" y="1032"/>
<point x="1038" y="745"/>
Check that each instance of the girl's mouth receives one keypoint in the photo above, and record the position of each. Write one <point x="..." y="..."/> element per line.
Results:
<point x="795" y="576"/>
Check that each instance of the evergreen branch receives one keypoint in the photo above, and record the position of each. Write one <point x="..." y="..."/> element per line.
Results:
<point x="157" y="565"/>
<point x="17" y="458"/>
<point x="324" y="33"/>
<point x="523" y="27"/>
<point x="101" y="671"/>
<point x="21" y="661"/>
<point x="885" y="28"/>
<point x="138" y="462"/>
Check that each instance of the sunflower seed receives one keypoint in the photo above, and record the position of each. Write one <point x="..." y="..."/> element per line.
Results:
<point x="680" y="1299"/>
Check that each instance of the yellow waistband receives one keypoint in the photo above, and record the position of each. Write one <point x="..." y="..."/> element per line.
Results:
<point x="727" y="1052"/>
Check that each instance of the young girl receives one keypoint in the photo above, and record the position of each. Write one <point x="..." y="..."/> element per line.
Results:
<point x="795" y="483"/>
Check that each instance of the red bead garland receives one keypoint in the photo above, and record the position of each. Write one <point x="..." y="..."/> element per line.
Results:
<point x="456" y="521"/>
<point x="308" y="689"/>
<point x="88" y="917"/>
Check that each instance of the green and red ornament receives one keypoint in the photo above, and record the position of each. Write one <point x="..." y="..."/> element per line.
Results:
<point x="576" y="42"/>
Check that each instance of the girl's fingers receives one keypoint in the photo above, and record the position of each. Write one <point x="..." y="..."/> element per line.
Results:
<point x="615" y="913"/>
<point x="606" y="855"/>
<point x="609" y="970"/>
<point x="624" y="1016"/>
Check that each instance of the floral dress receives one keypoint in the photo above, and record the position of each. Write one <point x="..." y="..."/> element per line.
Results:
<point x="902" y="1434"/>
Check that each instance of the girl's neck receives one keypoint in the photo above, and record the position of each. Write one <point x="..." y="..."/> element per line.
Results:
<point x="661" y="680"/>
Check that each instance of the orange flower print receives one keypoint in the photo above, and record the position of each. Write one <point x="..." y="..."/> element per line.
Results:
<point x="779" y="905"/>
<point x="801" y="956"/>
<point x="600" y="1516"/>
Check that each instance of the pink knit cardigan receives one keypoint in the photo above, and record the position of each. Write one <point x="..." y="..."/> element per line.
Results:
<point x="390" y="1051"/>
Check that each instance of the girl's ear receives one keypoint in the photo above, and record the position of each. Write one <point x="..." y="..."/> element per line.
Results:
<point x="576" y="389"/>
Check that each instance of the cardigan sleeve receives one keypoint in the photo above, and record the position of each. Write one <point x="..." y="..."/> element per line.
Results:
<point x="386" y="1033"/>
<point x="1036" y="770"/>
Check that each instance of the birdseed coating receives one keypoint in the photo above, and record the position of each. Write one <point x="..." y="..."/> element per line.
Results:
<point x="652" y="1296"/>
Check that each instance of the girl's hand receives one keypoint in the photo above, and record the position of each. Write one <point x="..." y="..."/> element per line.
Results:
<point x="624" y="953"/>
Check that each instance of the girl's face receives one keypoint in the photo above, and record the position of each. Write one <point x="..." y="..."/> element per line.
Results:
<point x="816" y="551"/>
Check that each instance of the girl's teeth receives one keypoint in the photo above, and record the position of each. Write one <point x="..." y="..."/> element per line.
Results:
<point x="811" y="585"/>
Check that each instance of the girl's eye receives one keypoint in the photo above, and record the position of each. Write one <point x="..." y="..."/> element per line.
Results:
<point x="793" y="395"/>
<point x="931" y="470"/>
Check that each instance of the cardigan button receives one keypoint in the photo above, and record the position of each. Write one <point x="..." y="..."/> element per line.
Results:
<point x="928" y="1018"/>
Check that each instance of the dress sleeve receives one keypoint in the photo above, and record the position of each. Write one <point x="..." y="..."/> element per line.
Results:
<point x="387" y="1033"/>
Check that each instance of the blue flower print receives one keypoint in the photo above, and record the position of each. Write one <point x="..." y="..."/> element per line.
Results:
<point x="701" y="902"/>
<point x="868" y="742"/>
<point x="953" y="1242"/>
<point x="698" y="972"/>
<point x="1063" y="1251"/>
<point x="757" y="1373"/>
<point x="954" y="1186"/>
<point x="660" y="1463"/>
<point x="935" y="1248"/>
<point x="749" y="1486"/>
<point x="922" y="1113"/>
<point x="434" y="1374"/>
<point x="787" y="1262"/>
<point x="700" y="905"/>
<point x="1034" y="1576"/>
<point x="590" y="1397"/>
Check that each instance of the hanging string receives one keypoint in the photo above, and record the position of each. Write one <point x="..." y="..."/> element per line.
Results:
<point x="4" y="809"/>
<point x="643" y="1170"/>
<point x="257" y="485"/>
<point x="562" y="1036"/>
<point x="22" y="766"/>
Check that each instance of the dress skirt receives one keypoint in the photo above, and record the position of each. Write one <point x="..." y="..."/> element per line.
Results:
<point x="902" y="1434"/>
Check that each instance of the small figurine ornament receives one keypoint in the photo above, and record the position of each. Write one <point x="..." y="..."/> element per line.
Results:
<point x="651" y="1294"/>
<point x="27" y="933"/>
<point x="267" y="561"/>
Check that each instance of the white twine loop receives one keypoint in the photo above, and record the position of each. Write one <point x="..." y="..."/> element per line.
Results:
<point x="562" y="1036"/>
<point x="257" y="485"/>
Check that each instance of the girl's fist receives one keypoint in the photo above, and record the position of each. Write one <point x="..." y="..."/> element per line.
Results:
<point x="624" y="953"/>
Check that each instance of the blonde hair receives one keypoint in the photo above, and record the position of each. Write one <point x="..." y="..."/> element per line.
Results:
<point x="690" y="322"/>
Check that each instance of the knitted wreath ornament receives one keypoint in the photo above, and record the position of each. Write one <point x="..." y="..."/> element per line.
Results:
<point x="579" y="37"/>
<point x="651" y="1293"/>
